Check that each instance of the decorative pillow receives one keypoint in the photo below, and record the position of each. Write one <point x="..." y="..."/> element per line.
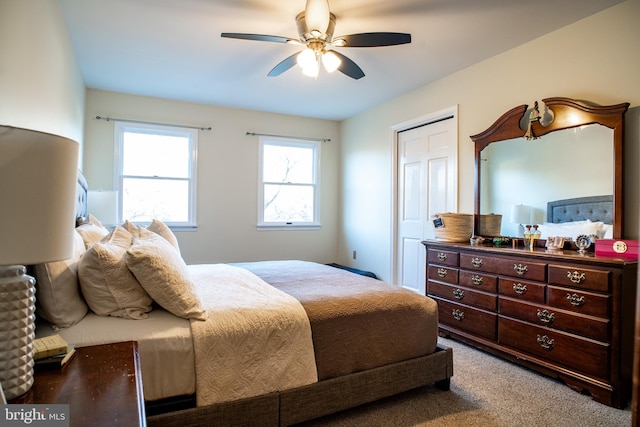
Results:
<point x="164" y="275"/>
<point x="607" y="231"/>
<point x="570" y="229"/>
<point x="163" y="230"/>
<point x="58" y="297"/>
<point x="131" y="227"/>
<point x="91" y="231"/>
<point x="106" y="282"/>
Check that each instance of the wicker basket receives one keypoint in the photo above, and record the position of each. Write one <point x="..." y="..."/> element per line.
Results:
<point x="453" y="227"/>
<point x="489" y="225"/>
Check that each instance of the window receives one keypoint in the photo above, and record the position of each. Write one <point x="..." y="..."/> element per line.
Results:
<point x="156" y="172"/>
<point x="288" y="192"/>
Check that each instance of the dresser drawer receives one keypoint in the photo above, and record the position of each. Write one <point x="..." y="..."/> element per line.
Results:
<point x="522" y="289"/>
<point x="581" y="302"/>
<point x="443" y="257"/>
<point x="504" y="266"/>
<point x="478" y="281"/>
<point x="464" y="295"/>
<point x="574" y="276"/>
<point x="475" y="321"/>
<point x="443" y="274"/>
<point x="586" y="326"/>
<point x="583" y="355"/>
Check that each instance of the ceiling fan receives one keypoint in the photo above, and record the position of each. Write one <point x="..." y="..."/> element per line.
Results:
<point x="315" y="29"/>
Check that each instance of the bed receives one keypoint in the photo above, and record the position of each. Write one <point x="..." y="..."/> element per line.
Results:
<point x="271" y="342"/>
<point x="591" y="215"/>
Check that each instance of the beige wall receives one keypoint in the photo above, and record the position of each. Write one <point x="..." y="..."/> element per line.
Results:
<point x="594" y="59"/>
<point x="227" y="175"/>
<point x="41" y="87"/>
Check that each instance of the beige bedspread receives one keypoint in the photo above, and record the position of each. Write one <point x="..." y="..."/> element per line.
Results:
<point x="256" y="340"/>
<point x="357" y="322"/>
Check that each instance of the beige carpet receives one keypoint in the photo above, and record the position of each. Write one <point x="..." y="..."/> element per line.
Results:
<point x="485" y="391"/>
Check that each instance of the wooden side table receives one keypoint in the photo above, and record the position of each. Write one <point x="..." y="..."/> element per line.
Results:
<point x="102" y="385"/>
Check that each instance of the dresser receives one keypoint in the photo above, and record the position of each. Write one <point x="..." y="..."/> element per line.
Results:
<point x="566" y="315"/>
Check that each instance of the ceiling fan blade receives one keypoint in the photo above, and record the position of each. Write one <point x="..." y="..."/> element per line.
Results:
<point x="349" y="67"/>
<point x="374" y="39"/>
<point x="283" y="66"/>
<point x="258" y="37"/>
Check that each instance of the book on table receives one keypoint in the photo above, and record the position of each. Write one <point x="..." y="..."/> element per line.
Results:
<point x="51" y="345"/>
<point x="55" y="362"/>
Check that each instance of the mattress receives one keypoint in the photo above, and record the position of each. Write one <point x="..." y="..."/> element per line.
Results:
<point x="164" y="343"/>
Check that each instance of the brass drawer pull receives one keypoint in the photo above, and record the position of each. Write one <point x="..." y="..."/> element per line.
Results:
<point x="458" y="293"/>
<point x="576" y="300"/>
<point x="442" y="256"/>
<point x="477" y="280"/>
<point x="519" y="288"/>
<point x="476" y="262"/>
<point x="546" y="342"/>
<point x="442" y="272"/>
<point x="576" y="277"/>
<point x="520" y="269"/>
<point x="546" y="316"/>
<point x="457" y="314"/>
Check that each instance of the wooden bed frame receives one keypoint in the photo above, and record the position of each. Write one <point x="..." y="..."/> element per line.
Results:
<point x="300" y="404"/>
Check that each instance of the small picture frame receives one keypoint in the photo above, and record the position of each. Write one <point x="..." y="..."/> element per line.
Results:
<point x="555" y="243"/>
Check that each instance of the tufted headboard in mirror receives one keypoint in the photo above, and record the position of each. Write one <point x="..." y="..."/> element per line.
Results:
<point x="594" y="208"/>
<point x="82" y="189"/>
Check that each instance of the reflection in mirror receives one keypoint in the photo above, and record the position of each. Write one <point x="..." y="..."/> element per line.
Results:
<point x="569" y="163"/>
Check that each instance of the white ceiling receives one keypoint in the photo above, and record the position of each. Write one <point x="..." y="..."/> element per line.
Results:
<point x="173" y="49"/>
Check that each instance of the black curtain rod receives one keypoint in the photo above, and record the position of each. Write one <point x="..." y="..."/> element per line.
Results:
<point x="306" y="138"/>
<point x="152" y="123"/>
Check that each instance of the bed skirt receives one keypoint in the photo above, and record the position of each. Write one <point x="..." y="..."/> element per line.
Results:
<point x="323" y="398"/>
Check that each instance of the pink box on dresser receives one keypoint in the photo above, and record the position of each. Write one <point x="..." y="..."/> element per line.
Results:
<point x="617" y="248"/>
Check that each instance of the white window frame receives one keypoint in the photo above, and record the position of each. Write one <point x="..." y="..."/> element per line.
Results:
<point x="121" y="127"/>
<point x="293" y="142"/>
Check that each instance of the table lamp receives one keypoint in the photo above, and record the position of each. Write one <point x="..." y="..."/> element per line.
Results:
<point x="38" y="173"/>
<point x="521" y="214"/>
<point x="104" y="206"/>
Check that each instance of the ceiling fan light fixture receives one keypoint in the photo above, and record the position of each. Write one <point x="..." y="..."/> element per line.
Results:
<point x="330" y="61"/>
<point x="311" y="70"/>
<point x="317" y="15"/>
<point x="307" y="59"/>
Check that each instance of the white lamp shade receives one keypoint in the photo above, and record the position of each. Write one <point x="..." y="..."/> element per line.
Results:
<point x="330" y="61"/>
<point x="306" y="58"/>
<point x="104" y="206"/>
<point x="38" y="173"/>
<point x="520" y="214"/>
<point x="317" y="15"/>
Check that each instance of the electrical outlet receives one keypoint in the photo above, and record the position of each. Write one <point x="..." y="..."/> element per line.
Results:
<point x="354" y="255"/>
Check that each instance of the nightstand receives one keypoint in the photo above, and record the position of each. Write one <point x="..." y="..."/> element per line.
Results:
<point x="102" y="385"/>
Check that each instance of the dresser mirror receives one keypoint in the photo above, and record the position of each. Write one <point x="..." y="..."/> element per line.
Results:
<point x="536" y="157"/>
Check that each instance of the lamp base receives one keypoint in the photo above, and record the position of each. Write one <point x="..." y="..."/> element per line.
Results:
<point x="17" y="330"/>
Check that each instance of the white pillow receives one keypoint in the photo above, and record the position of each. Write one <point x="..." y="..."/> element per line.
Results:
<point x="570" y="229"/>
<point x="157" y="227"/>
<point x="164" y="275"/>
<point x="163" y="230"/>
<point x="58" y="297"/>
<point x="91" y="231"/>
<point x="106" y="282"/>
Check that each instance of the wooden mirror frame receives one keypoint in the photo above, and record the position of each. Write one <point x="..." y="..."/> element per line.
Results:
<point x="569" y="113"/>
